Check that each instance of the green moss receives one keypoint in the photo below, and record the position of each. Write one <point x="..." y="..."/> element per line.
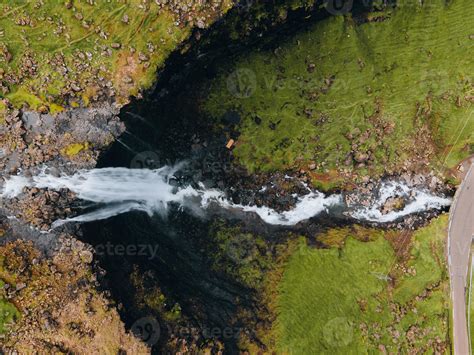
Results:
<point x="243" y="256"/>
<point x="393" y="79"/>
<point x="21" y="97"/>
<point x="349" y="300"/>
<point x="54" y="109"/>
<point x="75" y="148"/>
<point x="8" y="312"/>
<point x="427" y="258"/>
<point x="337" y="237"/>
<point x="150" y="298"/>
<point x="56" y="34"/>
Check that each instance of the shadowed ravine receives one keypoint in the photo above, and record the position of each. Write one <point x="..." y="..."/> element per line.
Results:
<point x="275" y="179"/>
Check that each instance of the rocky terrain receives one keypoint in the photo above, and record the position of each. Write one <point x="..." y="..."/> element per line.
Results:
<point x="60" y="110"/>
<point x="61" y="92"/>
<point x="61" y="307"/>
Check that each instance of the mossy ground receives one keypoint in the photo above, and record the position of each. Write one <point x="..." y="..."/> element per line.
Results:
<point x="243" y="256"/>
<point x="364" y="94"/>
<point x="56" y="50"/>
<point x="58" y="305"/>
<point x="8" y="313"/>
<point x="371" y="291"/>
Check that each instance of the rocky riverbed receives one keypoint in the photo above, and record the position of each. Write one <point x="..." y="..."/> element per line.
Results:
<point x="205" y="276"/>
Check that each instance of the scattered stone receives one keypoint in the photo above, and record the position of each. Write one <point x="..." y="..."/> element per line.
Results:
<point x="127" y="80"/>
<point x="393" y="204"/>
<point x="361" y="157"/>
<point x="143" y="57"/>
<point x="20" y="286"/>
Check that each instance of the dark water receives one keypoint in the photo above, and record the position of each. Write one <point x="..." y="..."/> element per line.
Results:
<point x="176" y="253"/>
<point x="177" y="256"/>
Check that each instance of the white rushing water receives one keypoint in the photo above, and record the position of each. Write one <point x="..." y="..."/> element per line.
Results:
<point x="122" y="190"/>
<point x="421" y="201"/>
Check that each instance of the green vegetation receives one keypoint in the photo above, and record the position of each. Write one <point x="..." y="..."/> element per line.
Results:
<point x="75" y="148"/>
<point x="364" y="94"/>
<point x="427" y="258"/>
<point x="243" y="256"/>
<point x="365" y="296"/>
<point x="8" y="312"/>
<point x="73" y="52"/>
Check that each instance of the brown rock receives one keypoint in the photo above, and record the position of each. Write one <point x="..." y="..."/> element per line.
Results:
<point x="361" y="157"/>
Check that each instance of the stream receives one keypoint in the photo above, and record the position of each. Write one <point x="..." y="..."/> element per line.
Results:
<point x="154" y="188"/>
<point x="121" y="190"/>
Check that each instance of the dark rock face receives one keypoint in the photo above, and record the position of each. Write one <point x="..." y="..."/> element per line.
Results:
<point x="31" y="140"/>
<point x="64" y="143"/>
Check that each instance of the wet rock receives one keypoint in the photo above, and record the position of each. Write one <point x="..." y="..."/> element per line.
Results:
<point x="20" y="286"/>
<point x="393" y="204"/>
<point x="143" y="57"/>
<point x="361" y="157"/>
<point x="231" y="118"/>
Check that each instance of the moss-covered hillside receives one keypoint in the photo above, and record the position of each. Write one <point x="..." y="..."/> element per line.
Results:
<point x="370" y="292"/>
<point x="58" y="52"/>
<point x="359" y="94"/>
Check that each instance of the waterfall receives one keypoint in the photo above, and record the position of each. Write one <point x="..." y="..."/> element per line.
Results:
<point x="121" y="190"/>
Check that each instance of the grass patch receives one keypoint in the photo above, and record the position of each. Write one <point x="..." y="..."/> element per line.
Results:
<point x="427" y="259"/>
<point x="244" y="256"/>
<point x="54" y="50"/>
<point x="355" y="96"/>
<point x="354" y="299"/>
<point x="8" y="313"/>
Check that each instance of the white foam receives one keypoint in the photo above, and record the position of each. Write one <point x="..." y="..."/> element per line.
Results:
<point x="420" y="201"/>
<point x="14" y="186"/>
<point x="307" y="207"/>
<point x="152" y="191"/>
